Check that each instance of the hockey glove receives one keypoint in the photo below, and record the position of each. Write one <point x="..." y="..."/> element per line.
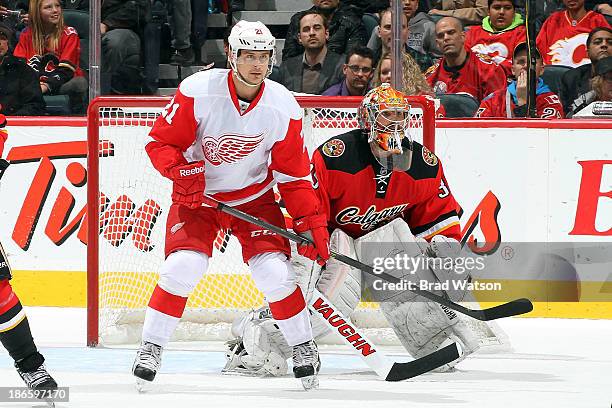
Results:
<point x="188" y="184"/>
<point x="313" y="227"/>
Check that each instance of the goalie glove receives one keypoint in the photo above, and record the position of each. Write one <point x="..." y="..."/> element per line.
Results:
<point x="188" y="184"/>
<point x="313" y="227"/>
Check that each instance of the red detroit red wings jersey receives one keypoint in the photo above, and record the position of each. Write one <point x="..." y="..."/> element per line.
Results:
<point x="245" y="153"/>
<point x="67" y="54"/>
<point x="548" y="106"/>
<point x="496" y="47"/>
<point x="475" y="77"/>
<point x="358" y="195"/>
<point x="562" y="43"/>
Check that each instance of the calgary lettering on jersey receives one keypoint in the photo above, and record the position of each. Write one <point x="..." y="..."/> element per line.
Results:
<point x="370" y="218"/>
<point x="345" y="328"/>
<point x="117" y="220"/>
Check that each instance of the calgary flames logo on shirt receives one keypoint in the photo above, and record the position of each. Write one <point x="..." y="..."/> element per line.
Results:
<point x="488" y="53"/>
<point x="570" y="52"/>
<point x="230" y="148"/>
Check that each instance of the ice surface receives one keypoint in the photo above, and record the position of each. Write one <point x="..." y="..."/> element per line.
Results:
<point x="556" y="363"/>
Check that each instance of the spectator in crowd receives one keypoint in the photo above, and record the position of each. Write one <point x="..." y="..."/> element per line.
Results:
<point x="181" y="30"/>
<point x="545" y="8"/>
<point x="368" y="6"/>
<point x="358" y="71"/>
<point x="460" y="70"/>
<point x="501" y="31"/>
<point x="318" y="67"/>
<point x="53" y="50"/>
<point x="21" y="93"/>
<point x="422" y="31"/>
<point x="413" y="80"/>
<point x="512" y="101"/>
<point x="123" y="21"/>
<point x="470" y="12"/>
<point x="602" y="82"/>
<point x="576" y="83"/>
<point x="563" y="35"/>
<point x="344" y="24"/>
<point x="384" y="36"/>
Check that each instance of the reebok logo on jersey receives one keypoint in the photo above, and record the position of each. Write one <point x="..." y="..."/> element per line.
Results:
<point x="345" y="328"/>
<point x="370" y="218"/>
<point x="191" y="172"/>
<point x="176" y="227"/>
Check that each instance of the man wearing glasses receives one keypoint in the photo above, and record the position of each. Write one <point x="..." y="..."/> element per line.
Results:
<point x="358" y="71"/>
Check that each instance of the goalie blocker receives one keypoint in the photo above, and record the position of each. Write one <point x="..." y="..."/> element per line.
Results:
<point x="422" y="327"/>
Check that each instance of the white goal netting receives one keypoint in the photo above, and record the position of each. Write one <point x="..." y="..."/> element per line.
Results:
<point x="134" y="198"/>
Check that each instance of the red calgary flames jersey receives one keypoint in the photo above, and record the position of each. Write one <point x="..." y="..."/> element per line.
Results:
<point x="495" y="47"/>
<point x="475" y="77"/>
<point x="67" y="54"/>
<point x="562" y="41"/>
<point x="359" y="195"/>
<point x="548" y="106"/>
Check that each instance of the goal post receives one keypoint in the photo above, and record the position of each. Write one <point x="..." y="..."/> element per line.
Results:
<point x="127" y="202"/>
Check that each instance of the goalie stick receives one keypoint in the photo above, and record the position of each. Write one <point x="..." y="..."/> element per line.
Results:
<point x="512" y="308"/>
<point x="343" y="328"/>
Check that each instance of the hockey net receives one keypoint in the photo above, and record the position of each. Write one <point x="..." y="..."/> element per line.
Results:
<point x="129" y="200"/>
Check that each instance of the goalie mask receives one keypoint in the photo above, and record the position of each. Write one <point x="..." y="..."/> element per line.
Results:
<point x="384" y="115"/>
<point x="251" y="36"/>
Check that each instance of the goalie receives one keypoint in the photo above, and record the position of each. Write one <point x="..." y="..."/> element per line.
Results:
<point x="376" y="185"/>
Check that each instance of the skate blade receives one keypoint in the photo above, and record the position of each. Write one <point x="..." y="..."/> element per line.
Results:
<point x="310" y="382"/>
<point x="143" y="386"/>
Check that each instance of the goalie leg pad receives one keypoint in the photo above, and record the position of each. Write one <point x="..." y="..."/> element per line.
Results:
<point x="424" y="327"/>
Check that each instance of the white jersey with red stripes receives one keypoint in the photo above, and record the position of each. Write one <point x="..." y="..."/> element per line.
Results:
<point x="246" y="151"/>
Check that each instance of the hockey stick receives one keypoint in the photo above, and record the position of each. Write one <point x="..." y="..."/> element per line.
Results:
<point x="342" y="327"/>
<point x="512" y="308"/>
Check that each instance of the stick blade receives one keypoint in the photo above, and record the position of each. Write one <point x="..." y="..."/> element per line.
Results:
<point x="513" y="308"/>
<point x="404" y="371"/>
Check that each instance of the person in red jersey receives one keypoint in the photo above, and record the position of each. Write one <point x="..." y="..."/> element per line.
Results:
<point x="379" y="189"/>
<point x="498" y="35"/>
<point x="232" y="135"/>
<point x="562" y="38"/>
<point x="53" y="50"/>
<point x="459" y="70"/>
<point x="15" y="334"/>
<point x="512" y="101"/>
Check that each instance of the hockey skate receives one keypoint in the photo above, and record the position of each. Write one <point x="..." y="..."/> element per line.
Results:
<point x="146" y="365"/>
<point x="306" y="364"/>
<point x="36" y="378"/>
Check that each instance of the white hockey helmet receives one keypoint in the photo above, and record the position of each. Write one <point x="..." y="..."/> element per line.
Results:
<point x="254" y="36"/>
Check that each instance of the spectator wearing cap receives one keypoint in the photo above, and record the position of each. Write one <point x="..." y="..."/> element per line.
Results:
<point x="20" y="92"/>
<point x="563" y="35"/>
<point x="601" y="85"/>
<point x="318" y="67"/>
<point x="576" y="83"/>
<point x="460" y="70"/>
<point x="512" y="101"/>
<point x="468" y="11"/>
<point x="358" y="70"/>
<point x="498" y="35"/>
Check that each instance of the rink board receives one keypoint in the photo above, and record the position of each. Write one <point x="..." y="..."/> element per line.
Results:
<point x="545" y="176"/>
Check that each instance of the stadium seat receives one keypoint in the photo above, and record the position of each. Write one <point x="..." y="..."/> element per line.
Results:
<point x="80" y="21"/>
<point x="552" y="76"/>
<point x="370" y="22"/>
<point x="459" y="105"/>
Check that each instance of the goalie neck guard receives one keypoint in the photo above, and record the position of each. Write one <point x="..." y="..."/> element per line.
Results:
<point x="252" y="36"/>
<point x="384" y="115"/>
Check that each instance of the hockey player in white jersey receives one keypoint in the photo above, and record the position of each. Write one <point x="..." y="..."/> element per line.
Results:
<point x="232" y="135"/>
<point x="402" y="191"/>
